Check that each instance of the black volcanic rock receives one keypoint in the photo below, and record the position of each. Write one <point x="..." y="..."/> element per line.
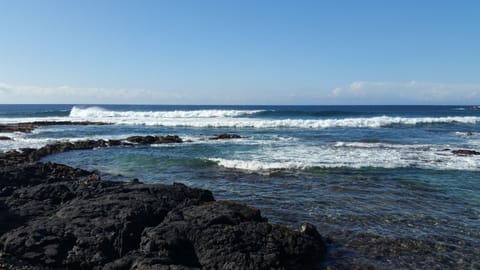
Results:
<point x="225" y="136"/>
<point x="82" y="226"/>
<point x="225" y="235"/>
<point x="154" y="139"/>
<point x="53" y="216"/>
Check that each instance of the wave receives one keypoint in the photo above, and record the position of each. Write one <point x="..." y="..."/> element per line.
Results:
<point x="354" y="155"/>
<point x="373" y="122"/>
<point x="77" y="112"/>
<point x="237" y="119"/>
<point x="257" y="166"/>
<point x="247" y="119"/>
<point x="297" y="114"/>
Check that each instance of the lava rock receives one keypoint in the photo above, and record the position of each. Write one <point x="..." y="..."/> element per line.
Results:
<point x="155" y="139"/>
<point x="225" y="235"/>
<point x="226" y="136"/>
<point x="79" y="226"/>
<point x="53" y="216"/>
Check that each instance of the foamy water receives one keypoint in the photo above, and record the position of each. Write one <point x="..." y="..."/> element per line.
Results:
<point x="291" y="152"/>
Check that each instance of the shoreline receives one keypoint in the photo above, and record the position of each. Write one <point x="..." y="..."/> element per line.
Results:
<point x="30" y="126"/>
<point x="347" y="249"/>
<point x="56" y="216"/>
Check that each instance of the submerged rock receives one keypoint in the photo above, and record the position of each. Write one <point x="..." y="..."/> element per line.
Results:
<point x="226" y="136"/>
<point x="463" y="152"/>
<point x="54" y="216"/>
<point x="5" y="138"/>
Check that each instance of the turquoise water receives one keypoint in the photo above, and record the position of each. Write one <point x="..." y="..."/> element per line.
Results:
<point x="380" y="182"/>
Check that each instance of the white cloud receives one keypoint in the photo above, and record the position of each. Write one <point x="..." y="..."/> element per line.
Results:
<point x="11" y="93"/>
<point x="357" y="92"/>
<point x="369" y="92"/>
<point x="337" y="92"/>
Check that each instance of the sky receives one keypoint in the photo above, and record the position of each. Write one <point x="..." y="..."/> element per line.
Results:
<point x="240" y="52"/>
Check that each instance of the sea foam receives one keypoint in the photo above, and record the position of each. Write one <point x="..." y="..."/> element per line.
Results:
<point x="355" y="155"/>
<point x="243" y="119"/>
<point x="99" y="112"/>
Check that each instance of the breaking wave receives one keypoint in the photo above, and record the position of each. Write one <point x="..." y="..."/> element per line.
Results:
<point x="100" y="112"/>
<point x="247" y="119"/>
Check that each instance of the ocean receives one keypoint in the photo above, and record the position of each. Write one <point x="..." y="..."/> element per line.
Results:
<point x="380" y="183"/>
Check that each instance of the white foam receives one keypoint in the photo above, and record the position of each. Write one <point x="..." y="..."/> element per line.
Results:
<point x="351" y="155"/>
<point x="234" y="119"/>
<point x="240" y="119"/>
<point x="373" y="122"/>
<point x="252" y="165"/>
<point x="98" y="112"/>
<point x="381" y="145"/>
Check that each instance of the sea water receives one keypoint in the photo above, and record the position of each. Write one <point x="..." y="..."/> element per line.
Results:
<point x="380" y="182"/>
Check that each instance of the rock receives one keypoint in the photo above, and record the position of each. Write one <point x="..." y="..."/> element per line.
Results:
<point x="154" y="139"/>
<point x="225" y="136"/>
<point x="89" y="225"/>
<point x="5" y="138"/>
<point x="28" y="127"/>
<point x="225" y="235"/>
<point x="463" y="152"/>
<point x="29" y="155"/>
<point x="54" y="216"/>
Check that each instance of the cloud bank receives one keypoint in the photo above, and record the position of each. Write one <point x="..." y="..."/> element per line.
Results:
<point x="412" y="92"/>
<point x="10" y="93"/>
<point x="357" y="92"/>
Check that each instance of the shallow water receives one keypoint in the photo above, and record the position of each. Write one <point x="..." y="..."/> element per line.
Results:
<point x="380" y="183"/>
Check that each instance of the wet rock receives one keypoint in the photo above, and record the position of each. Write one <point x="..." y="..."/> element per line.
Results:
<point x="225" y="136"/>
<point x="154" y="139"/>
<point x="25" y="127"/>
<point x="5" y="138"/>
<point x="463" y="152"/>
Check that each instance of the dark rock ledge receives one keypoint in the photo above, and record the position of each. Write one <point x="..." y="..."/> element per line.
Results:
<point x="54" y="216"/>
<point x="28" y="127"/>
<point x="225" y="136"/>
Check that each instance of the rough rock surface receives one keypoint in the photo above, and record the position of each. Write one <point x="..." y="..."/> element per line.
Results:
<point x="226" y="136"/>
<point x="56" y="217"/>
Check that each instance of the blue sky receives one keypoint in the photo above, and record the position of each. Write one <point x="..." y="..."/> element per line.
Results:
<point x="240" y="52"/>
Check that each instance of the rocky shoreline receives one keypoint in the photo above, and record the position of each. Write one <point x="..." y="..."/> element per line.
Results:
<point x="30" y="126"/>
<point x="53" y="216"/>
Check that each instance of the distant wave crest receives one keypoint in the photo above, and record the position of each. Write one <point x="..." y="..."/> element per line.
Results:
<point x="247" y="119"/>
<point x="78" y="112"/>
